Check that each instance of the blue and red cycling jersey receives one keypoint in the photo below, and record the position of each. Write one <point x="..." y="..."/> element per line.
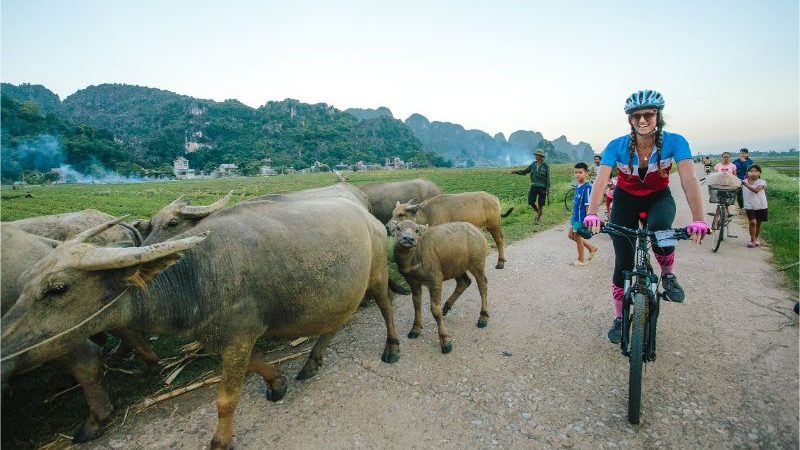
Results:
<point x="674" y="148"/>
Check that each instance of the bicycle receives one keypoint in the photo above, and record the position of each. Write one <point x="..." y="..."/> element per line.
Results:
<point x="641" y="303"/>
<point x="569" y="196"/>
<point x="723" y="197"/>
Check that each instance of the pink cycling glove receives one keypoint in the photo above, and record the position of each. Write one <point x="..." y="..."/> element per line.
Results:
<point x="592" y="221"/>
<point x="697" y="227"/>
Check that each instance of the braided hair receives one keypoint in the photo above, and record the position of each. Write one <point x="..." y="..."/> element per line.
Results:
<point x="659" y="137"/>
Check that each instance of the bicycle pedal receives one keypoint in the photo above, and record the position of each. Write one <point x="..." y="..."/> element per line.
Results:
<point x="710" y="214"/>
<point x="733" y="236"/>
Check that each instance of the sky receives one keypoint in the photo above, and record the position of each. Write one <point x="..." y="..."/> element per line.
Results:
<point x="729" y="70"/>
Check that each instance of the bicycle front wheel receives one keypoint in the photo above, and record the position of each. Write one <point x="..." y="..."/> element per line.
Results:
<point x="721" y="219"/>
<point x="639" y="322"/>
<point x="568" y="199"/>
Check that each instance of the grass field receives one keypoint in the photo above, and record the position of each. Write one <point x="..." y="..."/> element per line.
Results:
<point x="781" y="231"/>
<point x="33" y="413"/>
<point x="784" y="165"/>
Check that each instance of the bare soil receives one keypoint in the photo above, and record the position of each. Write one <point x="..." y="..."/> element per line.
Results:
<point x="542" y="374"/>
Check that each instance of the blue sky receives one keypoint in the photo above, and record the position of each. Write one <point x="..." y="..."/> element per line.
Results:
<point x="729" y="70"/>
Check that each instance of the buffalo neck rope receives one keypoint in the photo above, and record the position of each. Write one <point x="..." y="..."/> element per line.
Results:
<point x="69" y="330"/>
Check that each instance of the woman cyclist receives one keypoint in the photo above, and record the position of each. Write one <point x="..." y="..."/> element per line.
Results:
<point x="644" y="159"/>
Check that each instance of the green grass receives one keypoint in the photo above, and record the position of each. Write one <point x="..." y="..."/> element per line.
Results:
<point x="781" y="231"/>
<point x="29" y="422"/>
<point x="787" y="165"/>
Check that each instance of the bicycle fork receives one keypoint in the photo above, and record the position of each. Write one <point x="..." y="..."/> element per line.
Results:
<point x="653" y="306"/>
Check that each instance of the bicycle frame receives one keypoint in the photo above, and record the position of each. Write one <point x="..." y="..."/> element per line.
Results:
<point x="643" y="280"/>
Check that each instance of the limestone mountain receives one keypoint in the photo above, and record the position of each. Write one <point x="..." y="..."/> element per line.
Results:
<point x="47" y="100"/>
<point x="366" y="114"/>
<point x="475" y="147"/>
<point x="156" y="126"/>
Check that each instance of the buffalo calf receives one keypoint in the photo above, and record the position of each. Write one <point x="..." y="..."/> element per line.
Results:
<point x="429" y="256"/>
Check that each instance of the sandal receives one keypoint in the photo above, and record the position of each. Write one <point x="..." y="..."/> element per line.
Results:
<point x="592" y="253"/>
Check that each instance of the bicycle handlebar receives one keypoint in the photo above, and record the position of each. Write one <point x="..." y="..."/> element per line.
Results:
<point x="619" y="230"/>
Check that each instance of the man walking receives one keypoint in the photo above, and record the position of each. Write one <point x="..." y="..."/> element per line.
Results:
<point x="593" y="168"/>
<point x="742" y="166"/>
<point x="540" y="182"/>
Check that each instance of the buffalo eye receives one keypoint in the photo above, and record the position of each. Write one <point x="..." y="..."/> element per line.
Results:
<point x="56" y="289"/>
<point x="172" y="222"/>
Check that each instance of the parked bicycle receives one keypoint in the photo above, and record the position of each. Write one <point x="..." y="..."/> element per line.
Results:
<point x="641" y="303"/>
<point x="723" y="197"/>
<point x="569" y="196"/>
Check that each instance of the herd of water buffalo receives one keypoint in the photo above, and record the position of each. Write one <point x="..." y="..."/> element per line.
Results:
<point x="279" y="266"/>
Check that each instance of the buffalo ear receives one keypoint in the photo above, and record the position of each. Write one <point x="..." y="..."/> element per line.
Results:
<point x="50" y="242"/>
<point x="413" y="208"/>
<point x="423" y="229"/>
<point x="397" y="205"/>
<point x="143" y="225"/>
<point x="411" y="201"/>
<point x="391" y="226"/>
<point x="145" y="272"/>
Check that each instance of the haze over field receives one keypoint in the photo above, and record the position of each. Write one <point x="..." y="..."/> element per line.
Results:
<point x="729" y="70"/>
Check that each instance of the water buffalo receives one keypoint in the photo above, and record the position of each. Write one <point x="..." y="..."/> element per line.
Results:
<point x="429" y="256"/>
<point x="478" y="208"/>
<point x="63" y="226"/>
<point x="383" y="196"/>
<point x="180" y="215"/>
<point x="22" y="250"/>
<point x="262" y="271"/>
<point x="176" y="218"/>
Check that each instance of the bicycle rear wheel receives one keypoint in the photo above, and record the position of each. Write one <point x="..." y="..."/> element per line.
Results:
<point x="568" y="199"/>
<point x="639" y="321"/>
<point x="721" y="219"/>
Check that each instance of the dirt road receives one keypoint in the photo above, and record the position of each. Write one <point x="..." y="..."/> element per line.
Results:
<point x="542" y="374"/>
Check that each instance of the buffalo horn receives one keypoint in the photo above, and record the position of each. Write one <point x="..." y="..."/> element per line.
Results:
<point x="94" y="231"/>
<point x="198" y="212"/>
<point x="178" y="201"/>
<point x="102" y="258"/>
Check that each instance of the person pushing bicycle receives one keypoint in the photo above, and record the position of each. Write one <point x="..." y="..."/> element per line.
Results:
<point x="644" y="159"/>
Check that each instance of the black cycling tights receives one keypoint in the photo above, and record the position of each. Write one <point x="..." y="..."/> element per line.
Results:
<point x="660" y="209"/>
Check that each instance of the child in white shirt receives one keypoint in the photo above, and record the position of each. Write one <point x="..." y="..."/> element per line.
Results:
<point x="755" y="202"/>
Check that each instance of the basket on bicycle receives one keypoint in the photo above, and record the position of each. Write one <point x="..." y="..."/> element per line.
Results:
<point x="722" y="187"/>
<point x="722" y="194"/>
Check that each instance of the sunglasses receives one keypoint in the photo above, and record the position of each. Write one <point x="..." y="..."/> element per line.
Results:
<point x="648" y="116"/>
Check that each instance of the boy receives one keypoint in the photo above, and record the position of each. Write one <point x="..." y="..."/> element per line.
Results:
<point x="755" y="202"/>
<point x="579" y="204"/>
<point x="742" y="164"/>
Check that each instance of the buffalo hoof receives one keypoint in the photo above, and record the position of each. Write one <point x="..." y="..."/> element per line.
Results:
<point x="152" y="370"/>
<point x="447" y="348"/>
<point x="390" y="356"/>
<point x="309" y="370"/>
<point x="217" y="445"/>
<point x="413" y="334"/>
<point x="306" y="373"/>
<point x="397" y="288"/>
<point x="445" y="309"/>
<point x="500" y="264"/>
<point x="482" y="323"/>
<point x="364" y="302"/>
<point x="87" y="434"/>
<point x="276" y="394"/>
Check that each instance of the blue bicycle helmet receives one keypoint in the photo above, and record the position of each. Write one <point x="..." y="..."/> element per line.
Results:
<point x="644" y="99"/>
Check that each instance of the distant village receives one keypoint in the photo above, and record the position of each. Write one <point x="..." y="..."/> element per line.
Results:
<point x="182" y="171"/>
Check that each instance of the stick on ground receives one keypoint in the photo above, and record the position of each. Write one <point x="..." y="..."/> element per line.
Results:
<point x="150" y="401"/>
